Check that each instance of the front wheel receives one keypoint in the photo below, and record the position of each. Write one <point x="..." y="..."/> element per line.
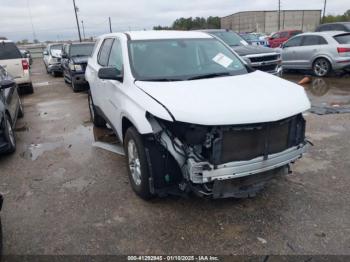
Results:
<point x="136" y="161"/>
<point x="321" y="67"/>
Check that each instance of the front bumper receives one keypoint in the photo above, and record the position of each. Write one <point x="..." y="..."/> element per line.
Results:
<point x="204" y="172"/>
<point x="57" y="68"/>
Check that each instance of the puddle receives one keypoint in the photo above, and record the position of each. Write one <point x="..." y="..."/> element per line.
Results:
<point x="34" y="151"/>
<point x="327" y="95"/>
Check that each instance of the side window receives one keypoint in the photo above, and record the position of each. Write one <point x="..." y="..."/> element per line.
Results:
<point x="116" y="56"/>
<point x="275" y="36"/>
<point x="313" y="40"/>
<point x="105" y="51"/>
<point x="295" y="41"/>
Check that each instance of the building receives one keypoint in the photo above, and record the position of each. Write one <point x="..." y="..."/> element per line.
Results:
<point x="268" y="22"/>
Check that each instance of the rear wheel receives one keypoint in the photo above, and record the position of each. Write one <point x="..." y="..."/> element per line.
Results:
<point x="9" y="135"/>
<point x="20" y="109"/>
<point x="95" y="117"/>
<point x="30" y="89"/>
<point x="137" y="163"/>
<point x="321" y="67"/>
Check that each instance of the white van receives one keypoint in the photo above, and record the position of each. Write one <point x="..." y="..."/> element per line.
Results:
<point x="17" y="66"/>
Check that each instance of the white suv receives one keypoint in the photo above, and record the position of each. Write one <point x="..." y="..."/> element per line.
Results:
<point x="17" y="66"/>
<point x="192" y="116"/>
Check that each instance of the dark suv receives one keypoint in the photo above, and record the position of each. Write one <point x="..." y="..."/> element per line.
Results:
<point x="341" y="26"/>
<point x="74" y="61"/>
<point x="259" y="57"/>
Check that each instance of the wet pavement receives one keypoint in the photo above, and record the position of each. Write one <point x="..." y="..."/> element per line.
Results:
<point x="65" y="196"/>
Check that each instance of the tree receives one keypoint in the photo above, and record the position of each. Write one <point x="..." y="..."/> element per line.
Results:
<point x="337" y="18"/>
<point x="182" y="23"/>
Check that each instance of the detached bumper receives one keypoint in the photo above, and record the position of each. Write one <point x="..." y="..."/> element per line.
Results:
<point x="204" y="172"/>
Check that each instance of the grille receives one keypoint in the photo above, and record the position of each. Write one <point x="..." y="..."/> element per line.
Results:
<point x="248" y="142"/>
<point x="263" y="58"/>
<point x="266" y="68"/>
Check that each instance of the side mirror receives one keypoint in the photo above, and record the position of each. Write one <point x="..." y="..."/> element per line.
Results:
<point x="64" y="55"/>
<point x="110" y="73"/>
<point x="4" y="84"/>
<point x="45" y="53"/>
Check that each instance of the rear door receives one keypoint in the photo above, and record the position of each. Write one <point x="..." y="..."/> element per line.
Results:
<point x="11" y="59"/>
<point x="310" y="46"/>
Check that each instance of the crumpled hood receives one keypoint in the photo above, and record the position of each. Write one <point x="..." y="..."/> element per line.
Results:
<point x="252" y="50"/>
<point x="244" y="99"/>
<point x="80" y="59"/>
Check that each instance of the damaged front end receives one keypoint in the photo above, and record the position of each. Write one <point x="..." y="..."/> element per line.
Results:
<point x="221" y="161"/>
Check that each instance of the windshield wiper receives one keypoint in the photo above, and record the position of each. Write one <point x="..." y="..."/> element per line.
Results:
<point x="211" y="75"/>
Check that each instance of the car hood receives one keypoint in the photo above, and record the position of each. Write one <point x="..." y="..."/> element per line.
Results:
<point x="251" y="50"/>
<point x="244" y="99"/>
<point x="80" y="59"/>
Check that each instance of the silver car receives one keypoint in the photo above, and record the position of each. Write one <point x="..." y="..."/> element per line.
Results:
<point x="321" y="52"/>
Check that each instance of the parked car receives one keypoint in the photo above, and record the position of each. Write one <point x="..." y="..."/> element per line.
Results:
<point x="254" y="39"/>
<point x="322" y="52"/>
<point x="26" y="54"/>
<point x="340" y="26"/>
<point x="279" y="38"/>
<point x="192" y="115"/>
<point x="259" y="57"/>
<point x="74" y="61"/>
<point x="10" y="109"/>
<point x="17" y="66"/>
<point x="52" y="59"/>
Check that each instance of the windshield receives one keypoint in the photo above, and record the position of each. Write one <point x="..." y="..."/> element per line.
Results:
<point x="230" y="38"/>
<point x="182" y="59"/>
<point x="9" y="51"/>
<point x="56" y="47"/>
<point x="81" y="50"/>
<point x="343" y="39"/>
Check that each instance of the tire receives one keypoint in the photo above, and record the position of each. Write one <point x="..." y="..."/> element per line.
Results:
<point x="9" y="135"/>
<point x="96" y="119"/>
<point x="30" y="89"/>
<point x="321" y="67"/>
<point x="137" y="165"/>
<point x="74" y="87"/>
<point x="20" y="109"/>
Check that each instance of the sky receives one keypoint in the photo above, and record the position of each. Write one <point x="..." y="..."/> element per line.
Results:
<point x="55" y="20"/>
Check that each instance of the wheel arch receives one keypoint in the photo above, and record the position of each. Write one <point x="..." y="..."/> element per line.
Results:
<point x="322" y="56"/>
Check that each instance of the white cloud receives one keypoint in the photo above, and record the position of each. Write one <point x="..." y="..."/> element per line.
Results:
<point x="55" y="19"/>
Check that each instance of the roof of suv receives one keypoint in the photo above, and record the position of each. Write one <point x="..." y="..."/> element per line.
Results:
<point x="325" y="33"/>
<point x="163" y="34"/>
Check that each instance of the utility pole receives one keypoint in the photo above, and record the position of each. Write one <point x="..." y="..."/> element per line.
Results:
<point x="279" y="15"/>
<point x="76" y="17"/>
<point x="110" y="24"/>
<point x="82" y="25"/>
<point x="324" y="10"/>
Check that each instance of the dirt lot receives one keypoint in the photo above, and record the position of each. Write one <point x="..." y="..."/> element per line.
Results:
<point x="63" y="196"/>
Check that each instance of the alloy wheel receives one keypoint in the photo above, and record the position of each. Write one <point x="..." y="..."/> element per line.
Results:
<point x="134" y="162"/>
<point x="321" y="67"/>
